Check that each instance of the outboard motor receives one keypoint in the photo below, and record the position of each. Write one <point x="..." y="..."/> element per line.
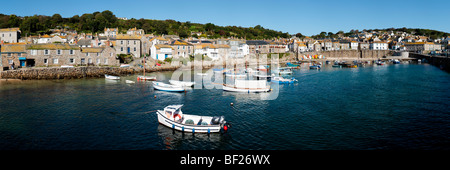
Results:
<point x="215" y="120"/>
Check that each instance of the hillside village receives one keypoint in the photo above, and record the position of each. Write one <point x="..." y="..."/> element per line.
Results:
<point x="68" y="47"/>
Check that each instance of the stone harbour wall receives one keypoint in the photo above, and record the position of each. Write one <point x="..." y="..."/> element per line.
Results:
<point x="74" y="73"/>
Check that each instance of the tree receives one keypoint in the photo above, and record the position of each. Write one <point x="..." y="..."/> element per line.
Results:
<point x="56" y="20"/>
<point x="299" y="35"/>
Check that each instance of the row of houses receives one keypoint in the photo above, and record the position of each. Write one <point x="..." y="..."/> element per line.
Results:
<point x="44" y="55"/>
<point x="67" y="47"/>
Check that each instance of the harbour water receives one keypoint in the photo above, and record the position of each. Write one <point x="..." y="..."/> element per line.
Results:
<point x="404" y="106"/>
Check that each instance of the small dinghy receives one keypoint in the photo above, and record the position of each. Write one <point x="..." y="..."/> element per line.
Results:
<point x="112" y="77"/>
<point x="174" y="118"/>
<point x="129" y="81"/>
<point x="181" y="83"/>
<point x="167" y="87"/>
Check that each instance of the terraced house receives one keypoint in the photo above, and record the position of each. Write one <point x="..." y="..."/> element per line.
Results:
<point x="9" y="35"/>
<point x="182" y="48"/>
<point x="128" y="44"/>
<point x="13" y="54"/>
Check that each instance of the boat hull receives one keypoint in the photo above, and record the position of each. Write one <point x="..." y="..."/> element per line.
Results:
<point x="186" y="127"/>
<point x="167" y="87"/>
<point x="146" y="78"/>
<point x="181" y="83"/>
<point x="242" y="90"/>
<point x="111" y="77"/>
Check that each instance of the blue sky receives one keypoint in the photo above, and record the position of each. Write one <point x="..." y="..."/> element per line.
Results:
<point x="308" y="17"/>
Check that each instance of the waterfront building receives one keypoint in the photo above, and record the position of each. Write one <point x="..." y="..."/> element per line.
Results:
<point x="277" y="47"/>
<point x="336" y="45"/>
<point x="54" y="55"/>
<point x="379" y="45"/>
<point x="344" y="45"/>
<point x="302" y="48"/>
<point x="354" y="45"/>
<point x="128" y="44"/>
<point x="207" y="49"/>
<point x="13" y="54"/>
<point x="424" y="47"/>
<point x="9" y="35"/>
<point x="95" y="56"/>
<point x="238" y="49"/>
<point x="257" y="46"/>
<point x="182" y="48"/>
<point x="161" y="51"/>
<point x="363" y="46"/>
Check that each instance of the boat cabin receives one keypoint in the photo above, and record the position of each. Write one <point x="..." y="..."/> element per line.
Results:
<point x="173" y="112"/>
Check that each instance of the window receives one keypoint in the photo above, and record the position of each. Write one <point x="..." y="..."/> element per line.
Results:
<point x="58" y="52"/>
<point x="19" y="54"/>
<point x="10" y="61"/>
<point x="9" y="54"/>
<point x="134" y="48"/>
<point x="90" y="60"/>
<point x="71" y="60"/>
<point x="87" y="54"/>
<point x="106" y="61"/>
<point x="98" y="54"/>
<point x="83" y="61"/>
<point x="134" y="42"/>
<point x="71" y="52"/>
<point x="55" y="61"/>
<point x="9" y="34"/>
<point x="98" y="61"/>
<point x="121" y="42"/>
<point x="45" y="61"/>
<point x="121" y="48"/>
<point x="45" y="52"/>
<point x="33" y="52"/>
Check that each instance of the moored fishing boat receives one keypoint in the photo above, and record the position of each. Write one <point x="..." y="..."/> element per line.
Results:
<point x="380" y="62"/>
<point x="146" y="78"/>
<point x="167" y="87"/>
<point x="112" y="77"/>
<point x="396" y="61"/>
<point x="247" y="86"/>
<point x="181" y="83"/>
<point x="314" y="67"/>
<point x="174" y="118"/>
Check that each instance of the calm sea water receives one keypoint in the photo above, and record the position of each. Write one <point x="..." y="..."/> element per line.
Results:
<point x="405" y="106"/>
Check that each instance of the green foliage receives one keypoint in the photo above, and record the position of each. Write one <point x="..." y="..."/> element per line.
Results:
<point x="97" y="21"/>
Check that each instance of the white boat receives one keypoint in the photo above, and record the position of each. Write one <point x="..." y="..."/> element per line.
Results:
<point x="124" y="65"/>
<point x="282" y="80"/>
<point x="247" y="86"/>
<point x="112" y="77"/>
<point x="250" y="70"/>
<point x="167" y="87"/>
<point x="174" y="118"/>
<point x="202" y="74"/>
<point x="181" y="83"/>
<point x="129" y="81"/>
<point x="282" y="71"/>
<point x="66" y="66"/>
<point x="144" y="78"/>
